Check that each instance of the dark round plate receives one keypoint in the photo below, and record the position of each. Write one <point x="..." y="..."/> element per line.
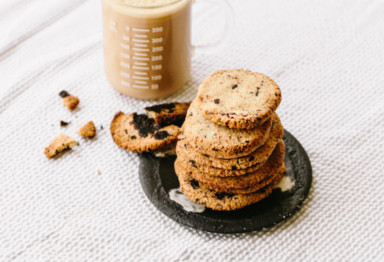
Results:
<point x="157" y="177"/>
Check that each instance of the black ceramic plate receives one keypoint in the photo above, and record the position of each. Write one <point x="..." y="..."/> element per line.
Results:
<point x="157" y="177"/>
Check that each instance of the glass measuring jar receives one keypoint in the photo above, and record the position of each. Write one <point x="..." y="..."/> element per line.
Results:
<point x="147" y="45"/>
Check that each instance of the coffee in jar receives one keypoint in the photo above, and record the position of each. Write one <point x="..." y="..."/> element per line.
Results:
<point x="147" y="46"/>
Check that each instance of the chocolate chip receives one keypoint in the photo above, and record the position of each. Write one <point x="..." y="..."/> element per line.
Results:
<point x="63" y="94"/>
<point x="194" y="183"/>
<point x="193" y="163"/>
<point x="262" y="191"/>
<point x="144" y="124"/>
<point x="205" y="155"/>
<point x="234" y="86"/>
<point x="215" y="149"/>
<point x="170" y="107"/>
<point x="133" y="137"/>
<point x="217" y="101"/>
<point x="63" y="123"/>
<point x="161" y="135"/>
<point x="234" y="167"/>
<point x="257" y="92"/>
<point x="126" y="131"/>
<point x="251" y="158"/>
<point x="220" y="196"/>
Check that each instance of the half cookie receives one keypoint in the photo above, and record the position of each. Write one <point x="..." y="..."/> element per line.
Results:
<point x="139" y="133"/>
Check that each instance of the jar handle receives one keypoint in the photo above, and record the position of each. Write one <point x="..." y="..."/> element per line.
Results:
<point x="221" y="41"/>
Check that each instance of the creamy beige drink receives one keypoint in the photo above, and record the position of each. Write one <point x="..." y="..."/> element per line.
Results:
<point x="147" y="46"/>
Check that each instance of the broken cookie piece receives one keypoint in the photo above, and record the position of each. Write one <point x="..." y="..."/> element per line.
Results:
<point x="59" y="144"/>
<point x="140" y="133"/>
<point x="88" y="130"/>
<point x="168" y="114"/>
<point x="69" y="100"/>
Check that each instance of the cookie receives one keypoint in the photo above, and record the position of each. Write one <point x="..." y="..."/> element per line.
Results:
<point x="220" y="142"/>
<point x="258" y="157"/>
<point x="238" y="98"/>
<point x="168" y="114"/>
<point x="60" y="144"/>
<point x="188" y="163"/>
<point x="272" y="166"/>
<point x="69" y="100"/>
<point x="253" y="188"/>
<point x="139" y="133"/>
<point x="219" y="201"/>
<point x="88" y="130"/>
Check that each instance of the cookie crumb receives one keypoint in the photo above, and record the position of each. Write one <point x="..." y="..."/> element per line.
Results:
<point x="63" y="94"/>
<point x="63" y="123"/>
<point x="101" y="127"/>
<point x="88" y="130"/>
<point x="59" y="144"/>
<point x="98" y="171"/>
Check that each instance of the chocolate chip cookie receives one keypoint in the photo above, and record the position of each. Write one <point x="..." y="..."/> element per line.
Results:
<point x="139" y="133"/>
<point x="220" y="142"/>
<point x="167" y="114"/>
<point x="238" y="98"/>
<point x="258" y="157"/>
<point x="220" y="201"/>
<point x="272" y="166"/>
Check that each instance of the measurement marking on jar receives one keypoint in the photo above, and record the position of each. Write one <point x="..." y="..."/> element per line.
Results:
<point x="140" y="54"/>
<point x="140" y="73"/>
<point x="141" y="36"/>
<point x="140" y="63"/>
<point x="125" y="65"/>
<point x="127" y="28"/>
<point x="140" y="58"/>
<point x="155" y="86"/>
<point x="156" y="77"/>
<point x="140" y="49"/>
<point x="140" y="45"/>
<point x="157" y="67"/>
<point x="140" y="67"/>
<point x="141" y="87"/>
<point x="140" y="30"/>
<point x="157" y="49"/>
<point x="124" y="74"/>
<point x="157" y="29"/>
<point x="141" y="82"/>
<point x="126" y="38"/>
<point x="140" y="40"/>
<point x="125" y="46"/>
<point x="112" y="26"/>
<point x="157" y="58"/>
<point x="141" y="77"/>
<point x="124" y="83"/>
<point x="125" y="55"/>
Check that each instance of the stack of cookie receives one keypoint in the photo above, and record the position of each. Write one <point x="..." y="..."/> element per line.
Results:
<point x="230" y="153"/>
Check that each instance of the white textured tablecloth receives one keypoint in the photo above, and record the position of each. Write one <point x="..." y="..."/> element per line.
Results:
<point x="327" y="57"/>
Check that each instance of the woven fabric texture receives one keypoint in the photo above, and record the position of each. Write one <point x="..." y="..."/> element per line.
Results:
<point x="328" y="59"/>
